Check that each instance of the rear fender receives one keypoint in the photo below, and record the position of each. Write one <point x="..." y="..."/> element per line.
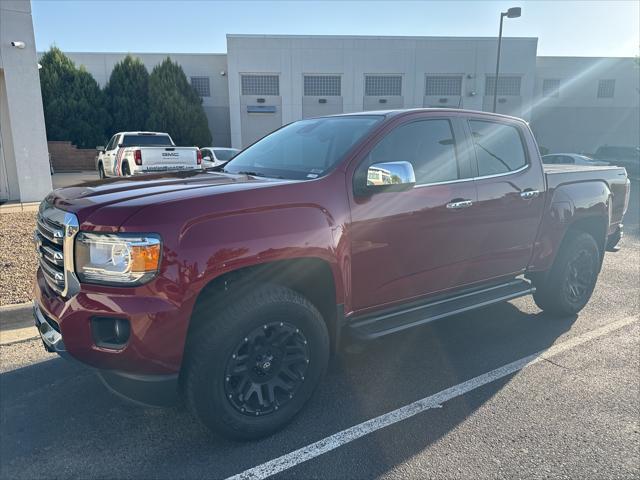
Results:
<point x="583" y="206"/>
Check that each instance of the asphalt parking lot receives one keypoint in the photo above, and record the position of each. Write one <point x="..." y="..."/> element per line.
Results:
<point x="506" y="410"/>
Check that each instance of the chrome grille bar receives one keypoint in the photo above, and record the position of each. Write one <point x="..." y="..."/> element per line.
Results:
<point x="54" y="237"/>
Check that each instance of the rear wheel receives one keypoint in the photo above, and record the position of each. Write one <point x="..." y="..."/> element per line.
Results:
<point x="254" y="365"/>
<point x="125" y="170"/>
<point x="568" y="286"/>
<point x="101" y="174"/>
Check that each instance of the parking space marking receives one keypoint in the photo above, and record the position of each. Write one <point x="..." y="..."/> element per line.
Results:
<point x="336" y="440"/>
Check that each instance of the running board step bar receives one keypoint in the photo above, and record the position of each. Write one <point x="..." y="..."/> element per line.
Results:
<point x="371" y="327"/>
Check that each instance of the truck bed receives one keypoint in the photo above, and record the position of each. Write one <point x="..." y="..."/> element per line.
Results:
<point x="614" y="177"/>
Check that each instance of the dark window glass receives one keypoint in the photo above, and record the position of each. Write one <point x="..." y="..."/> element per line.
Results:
<point x="322" y="86"/>
<point x="383" y="85"/>
<point x="260" y="84"/>
<point x="428" y="145"/>
<point x="111" y="144"/>
<point x="606" y="88"/>
<point x="499" y="147"/>
<point x="224" y="154"/>
<point x="306" y="149"/>
<point x="201" y="85"/>
<point x="146" y="141"/>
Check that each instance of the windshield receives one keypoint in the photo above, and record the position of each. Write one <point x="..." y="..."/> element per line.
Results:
<point x="306" y="149"/>
<point x="224" y="153"/>
<point x="146" y="141"/>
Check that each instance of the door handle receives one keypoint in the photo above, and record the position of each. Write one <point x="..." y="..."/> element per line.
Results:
<point x="457" y="205"/>
<point x="529" y="194"/>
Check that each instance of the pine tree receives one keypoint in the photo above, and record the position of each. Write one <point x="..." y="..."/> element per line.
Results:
<point x="127" y="94"/>
<point x="175" y="107"/>
<point x="74" y="105"/>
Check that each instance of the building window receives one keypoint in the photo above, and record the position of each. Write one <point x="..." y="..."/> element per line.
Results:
<point x="201" y="85"/>
<point x="383" y="85"/>
<point x="508" y="86"/>
<point x="606" y="88"/>
<point x="322" y="86"/>
<point x="260" y="85"/>
<point x="445" y="85"/>
<point x="550" y="87"/>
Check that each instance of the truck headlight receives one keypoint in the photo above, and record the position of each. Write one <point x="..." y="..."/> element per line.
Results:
<point x="116" y="259"/>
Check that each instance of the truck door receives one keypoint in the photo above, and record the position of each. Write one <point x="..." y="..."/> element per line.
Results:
<point x="510" y="204"/>
<point x="416" y="242"/>
<point x="108" y="158"/>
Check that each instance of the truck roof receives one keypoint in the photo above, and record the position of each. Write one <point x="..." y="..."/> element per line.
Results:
<point x="395" y="112"/>
<point x="142" y="133"/>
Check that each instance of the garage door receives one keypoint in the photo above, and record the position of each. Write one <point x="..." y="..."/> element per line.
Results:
<point x="260" y="106"/>
<point x="322" y="95"/>
<point x="382" y="92"/>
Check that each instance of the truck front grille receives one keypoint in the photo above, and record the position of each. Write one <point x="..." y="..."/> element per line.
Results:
<point x="54" y="237"/>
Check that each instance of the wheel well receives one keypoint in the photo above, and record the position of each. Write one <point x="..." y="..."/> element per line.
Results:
<point x="311" y="277"/>
<point x="594" y="226"/>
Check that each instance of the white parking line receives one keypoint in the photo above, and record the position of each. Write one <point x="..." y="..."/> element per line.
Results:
<point x="336" y="440"/>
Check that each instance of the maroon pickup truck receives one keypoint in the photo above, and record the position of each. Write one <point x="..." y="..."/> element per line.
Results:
<point x="232" y="287"/>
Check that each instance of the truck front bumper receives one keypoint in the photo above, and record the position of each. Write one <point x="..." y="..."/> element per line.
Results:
<point x="145" y="369"/>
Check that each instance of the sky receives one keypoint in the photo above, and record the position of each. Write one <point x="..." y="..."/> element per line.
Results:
<point x="567" y="28"/>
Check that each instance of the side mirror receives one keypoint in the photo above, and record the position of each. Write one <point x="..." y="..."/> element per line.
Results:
<point x="389" y="177"/>
<point x="120" y="145"/>
<point x="100" y="148"/>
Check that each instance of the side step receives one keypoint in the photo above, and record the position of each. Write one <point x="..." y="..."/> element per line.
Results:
<point x="371" y="326"/>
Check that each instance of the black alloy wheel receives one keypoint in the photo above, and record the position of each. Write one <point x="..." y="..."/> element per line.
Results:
<point x="267" y="368"/>
<point x="254" y="359"/>
<point x="581" y="269"/>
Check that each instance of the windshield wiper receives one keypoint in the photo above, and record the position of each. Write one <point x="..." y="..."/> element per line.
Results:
<point x="255" y="174"/>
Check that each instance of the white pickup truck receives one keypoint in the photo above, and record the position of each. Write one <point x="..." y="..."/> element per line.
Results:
<point x="131" y="153"/>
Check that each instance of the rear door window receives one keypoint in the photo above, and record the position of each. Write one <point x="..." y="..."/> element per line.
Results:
<point x="498" y="147"/>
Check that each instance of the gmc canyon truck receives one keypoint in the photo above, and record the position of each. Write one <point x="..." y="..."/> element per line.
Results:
<point x="132" y="153"/>
<point x="232" y="288"/>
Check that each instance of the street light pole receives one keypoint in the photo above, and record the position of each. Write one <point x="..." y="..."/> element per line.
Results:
<point x="513" y="12"/>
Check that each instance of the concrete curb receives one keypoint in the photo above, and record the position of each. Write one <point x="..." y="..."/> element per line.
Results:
<point x="15" y="207"/>
<point x="16" y="323"/>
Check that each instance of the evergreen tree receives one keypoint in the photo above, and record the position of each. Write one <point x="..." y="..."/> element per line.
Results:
<point x="175" y="107"/>
<point x="73" y="103"/>
<point x="127" y="95"/>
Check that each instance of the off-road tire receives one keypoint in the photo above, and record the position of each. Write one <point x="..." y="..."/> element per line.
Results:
<point x="125" y="170"/>
<point x="212" y="345"/>
<point x="561" y="291"/>
<point x="101" y="174"/>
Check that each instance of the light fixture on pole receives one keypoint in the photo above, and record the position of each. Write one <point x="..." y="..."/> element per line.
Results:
<point x="513" y="12"/>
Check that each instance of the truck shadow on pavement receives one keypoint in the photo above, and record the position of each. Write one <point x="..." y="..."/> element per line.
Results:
<point x="56" y="416"/>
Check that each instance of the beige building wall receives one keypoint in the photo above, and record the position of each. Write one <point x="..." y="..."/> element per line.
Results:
<point x="24" y="159"/>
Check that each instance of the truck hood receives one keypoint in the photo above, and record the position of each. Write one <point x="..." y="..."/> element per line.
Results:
<point x="122" y="197"/>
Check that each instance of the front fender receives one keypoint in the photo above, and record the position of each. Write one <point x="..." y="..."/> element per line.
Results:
<point x="569" y="204"/>
<point x="216" y="245"/>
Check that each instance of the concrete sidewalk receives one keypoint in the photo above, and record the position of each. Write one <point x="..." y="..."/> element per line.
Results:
<point x="16" y="323"/>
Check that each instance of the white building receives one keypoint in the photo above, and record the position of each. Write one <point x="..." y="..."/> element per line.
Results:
<point x="279" y="79"/>
<point x="582" y="103"/>
<point x="24" y="161"/>
<point x="265" y="81"/>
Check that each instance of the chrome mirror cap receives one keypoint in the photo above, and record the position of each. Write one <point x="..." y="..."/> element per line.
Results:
<point x="390" y="176"/>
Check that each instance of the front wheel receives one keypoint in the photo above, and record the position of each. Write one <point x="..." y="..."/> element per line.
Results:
<point x="254" y="365"/>
<point x="568" y="286"/>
